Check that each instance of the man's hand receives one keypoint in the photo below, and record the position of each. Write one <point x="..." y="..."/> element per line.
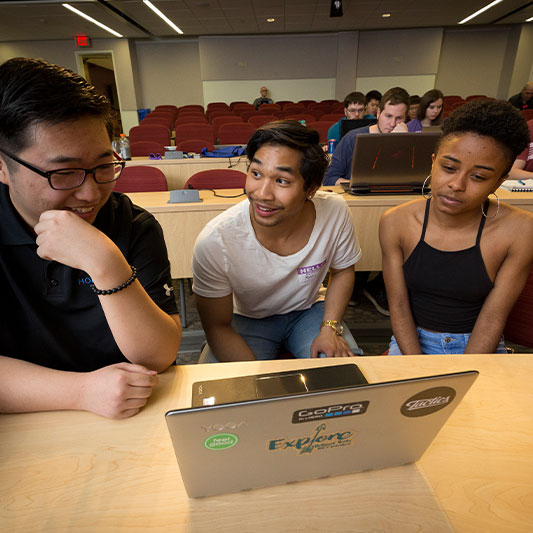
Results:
<point x="117" y="391"/>
<point x="64" y="237"/>
<point x="401" y="127"/>
<point x="330" y="344"/>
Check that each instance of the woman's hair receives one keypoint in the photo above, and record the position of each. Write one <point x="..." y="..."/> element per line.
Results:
<point x="496" y="119"/>
<point x="292" y="134"/>
<point x="429" y="98"/>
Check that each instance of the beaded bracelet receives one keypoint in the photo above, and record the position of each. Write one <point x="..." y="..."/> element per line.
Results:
<point x="120" y="287"/>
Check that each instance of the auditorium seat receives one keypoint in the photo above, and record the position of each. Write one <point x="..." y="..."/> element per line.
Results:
<point x="190" y="119"/>
<point x="185" y="132"/>
<point x="145" y="148"/>
<point x="332" y="117"/>
<point x="219" y="121"/>
<point x="322" y="128"/>
<point x="141" y="179"/>
<point x="301" y="116"/>
<point x="235" y="133"/>
<point x="217" y="178"/>
<point x="191" y="107"/>
<point x="270" y="107"/>
<point x="150" y="132"/>
<point x="259" y="120"/>
<point x="194" y="145"/>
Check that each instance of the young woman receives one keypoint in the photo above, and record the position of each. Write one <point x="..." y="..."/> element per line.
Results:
<point x="429" y="111"/>
<point x="454" y="264"/>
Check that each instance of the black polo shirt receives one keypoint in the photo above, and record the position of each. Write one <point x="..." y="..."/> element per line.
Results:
<point x="49" y="315"/>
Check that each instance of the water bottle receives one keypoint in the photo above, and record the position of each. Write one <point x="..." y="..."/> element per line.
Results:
<point x="125" y="147"/>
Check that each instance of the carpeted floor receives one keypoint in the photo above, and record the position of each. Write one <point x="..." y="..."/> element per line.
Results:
<point x="371" y="330"/>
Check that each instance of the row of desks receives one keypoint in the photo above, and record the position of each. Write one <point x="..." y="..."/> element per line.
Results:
<point x="73" y="471"/>
<point x="182" y="223"/>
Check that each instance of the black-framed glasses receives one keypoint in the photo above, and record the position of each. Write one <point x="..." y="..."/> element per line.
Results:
<point x="63" y="179"/>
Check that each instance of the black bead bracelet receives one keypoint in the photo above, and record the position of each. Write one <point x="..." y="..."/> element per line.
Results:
<point x="120" y="287"/>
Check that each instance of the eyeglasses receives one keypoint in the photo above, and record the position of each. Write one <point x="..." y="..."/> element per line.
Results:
<point x="63" y="179"/>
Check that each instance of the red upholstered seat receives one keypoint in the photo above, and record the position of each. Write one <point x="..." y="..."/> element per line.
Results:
<point x="150" y="132"/>
<point x="145" y="148"/>
<point x="194" y="145"/>
<point x="195" y="131"/>
<point x="235" y="133"/>
<point x="217" y="178"/>
<point x="141" y="179"/>
<point x="519" y="327"/>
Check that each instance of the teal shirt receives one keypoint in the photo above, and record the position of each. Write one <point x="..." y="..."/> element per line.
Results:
<point x="334" y="131"/>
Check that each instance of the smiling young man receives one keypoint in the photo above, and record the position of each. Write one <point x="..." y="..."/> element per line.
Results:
<point x="391" y="119"/>
<point x="87" y="316"/>
<point x="258" y="266"/>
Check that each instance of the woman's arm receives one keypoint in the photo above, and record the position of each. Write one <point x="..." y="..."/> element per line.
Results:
<point x="517" y="171"/>
<point x="403" y="325"/>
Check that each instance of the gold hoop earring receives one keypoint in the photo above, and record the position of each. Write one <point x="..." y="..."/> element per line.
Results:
<point x="497" y="207"/>
<point x="428" y="196"/>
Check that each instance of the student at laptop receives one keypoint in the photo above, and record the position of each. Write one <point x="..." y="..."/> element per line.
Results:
<point x="523" y="165"/>
<point x="372" y="100"/>
<point x="354" y="106"/>
<point x="429" y="111"/>
<point x="454" y="264"/>
<point x="391" y="119"/>
<point x="258" y="266"/>
<point x="87" y="316"/>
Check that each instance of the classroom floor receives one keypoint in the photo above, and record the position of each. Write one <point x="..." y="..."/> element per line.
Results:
<point x="371" y="330"/>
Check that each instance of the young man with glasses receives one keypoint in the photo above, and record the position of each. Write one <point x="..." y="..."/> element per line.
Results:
<point x="88" y="317"/>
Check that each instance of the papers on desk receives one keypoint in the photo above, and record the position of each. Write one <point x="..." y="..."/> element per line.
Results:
<point x="518" y="185"/>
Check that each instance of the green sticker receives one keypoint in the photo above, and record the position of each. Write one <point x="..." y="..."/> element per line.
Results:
<point x="222" y="441"/>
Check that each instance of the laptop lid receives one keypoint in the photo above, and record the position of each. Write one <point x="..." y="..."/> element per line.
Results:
<point x="391" y="163"/>
<point x="354" y="124"/>
<point x="243" y="445"/>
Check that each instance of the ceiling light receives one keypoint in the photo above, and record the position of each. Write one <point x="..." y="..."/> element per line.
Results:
<point x="164" y="17"/>
<point x="271" y="20"/>
<point x="90" y="19"/>
<point x="385" y="15"/>
<point x="530" y="19"/>
<point x="480" y="11"/>
<point x="336" y="8"/>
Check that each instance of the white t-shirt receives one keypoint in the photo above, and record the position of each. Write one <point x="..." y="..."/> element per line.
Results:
<point x="229" y="258"/>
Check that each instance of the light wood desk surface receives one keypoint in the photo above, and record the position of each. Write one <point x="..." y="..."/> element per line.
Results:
<point x="178" y="171"/>
<point x="68" y="471"/>
<point x="183" y="222"/>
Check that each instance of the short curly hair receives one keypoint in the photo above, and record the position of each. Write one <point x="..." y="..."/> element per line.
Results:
<point x="496" y="119"/>
<point x="292" y="134"/>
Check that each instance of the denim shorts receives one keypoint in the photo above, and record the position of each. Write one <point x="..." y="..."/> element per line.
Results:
<point x="293" y="332"/>
<point x="441" y="343"/>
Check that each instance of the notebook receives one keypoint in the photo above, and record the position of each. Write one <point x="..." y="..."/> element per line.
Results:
<point x="391" y="163"/>
<point x="518" y="185"/>
<point x="257" y="443"/>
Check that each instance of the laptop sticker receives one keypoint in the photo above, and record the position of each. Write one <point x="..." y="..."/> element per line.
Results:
<point x="320" y="439"/>
<point x="428" y="402"/>
<point x="221" y="441"/>
<point x="329" y="411"/>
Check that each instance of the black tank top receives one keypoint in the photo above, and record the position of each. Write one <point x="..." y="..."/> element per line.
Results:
<point x="446" y="289"/>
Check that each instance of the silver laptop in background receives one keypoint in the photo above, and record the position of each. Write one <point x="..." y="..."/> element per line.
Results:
<point x="391" y="163"/>
<point x="244" y="445"/>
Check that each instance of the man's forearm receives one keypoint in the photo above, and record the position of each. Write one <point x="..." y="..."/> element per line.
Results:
<point x="340" y="289"/>
<point x="228" y="345"/>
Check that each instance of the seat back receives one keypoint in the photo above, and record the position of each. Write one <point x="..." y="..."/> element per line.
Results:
<point x="235" y="133"/>
<point x="322" y="128"/>
<point x="519" y="326"/>
<point x="194" y="145"/>
<point x="145" y="148"/>
<point x="141" y="179"/>
<point x="300" y="116"/>
<point x="191" y="107"/>
<point x="150" y="132"/>
<point x="217" y="178"/>
<point x="205" y="132"/>
<point x="190" y="119"/>
<point x="258" y="120"/>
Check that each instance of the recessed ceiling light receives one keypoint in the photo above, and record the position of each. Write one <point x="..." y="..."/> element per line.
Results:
<point x="90" y="19"/>
<point x="488" y="6"/>
<point x="385" y="15"/>
<point x="271" y="20"/>
<point x="530" y="19"/>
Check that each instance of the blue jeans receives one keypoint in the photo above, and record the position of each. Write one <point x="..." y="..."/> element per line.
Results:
<point x="441" y="343"/>
<point x="294" y="332"/>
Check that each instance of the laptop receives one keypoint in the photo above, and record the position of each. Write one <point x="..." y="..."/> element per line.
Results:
<point x="391" y="163"/>
<point x="242" y="445"/>
<point x="354" y="124"/>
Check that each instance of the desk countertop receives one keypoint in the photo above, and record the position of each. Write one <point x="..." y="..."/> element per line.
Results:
<point x="64" y="471"/>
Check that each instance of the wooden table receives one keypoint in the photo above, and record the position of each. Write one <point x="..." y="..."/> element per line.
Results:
<point x="178" y="171"/>
<point x="183" y="222"/>
<point x="68" y="471"/>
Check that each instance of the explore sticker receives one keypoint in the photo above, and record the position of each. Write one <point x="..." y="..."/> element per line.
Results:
<point x="221" y="441"/>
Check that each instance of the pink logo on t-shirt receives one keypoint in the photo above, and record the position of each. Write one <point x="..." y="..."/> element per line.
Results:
<point x="306" y="274"/>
